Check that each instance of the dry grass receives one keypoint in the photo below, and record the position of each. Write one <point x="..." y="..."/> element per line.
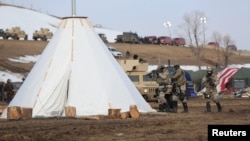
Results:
<point x="159" y="54"/>
<point x="153" y="54"/>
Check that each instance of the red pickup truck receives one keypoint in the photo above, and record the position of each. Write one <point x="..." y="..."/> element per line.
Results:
<point x="178" y="42"/>
<point x="164" y="40"/>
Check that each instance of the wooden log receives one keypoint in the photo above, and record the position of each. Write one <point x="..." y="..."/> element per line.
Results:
<point x="14" y="113"/>
<point x="124" y="115"/>
<point x="70" y="111"/>
<point x="133" y="111"/>
<point x="114" y="113"/>
<point x="26" y="113"/>
<point x="2" y="108"/>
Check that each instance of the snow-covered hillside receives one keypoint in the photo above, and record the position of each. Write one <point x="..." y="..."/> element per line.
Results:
<point x="27" y="20"/>
<point x="30" y="20"/>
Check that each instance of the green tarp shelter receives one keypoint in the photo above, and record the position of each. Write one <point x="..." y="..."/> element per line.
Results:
<point x="240" y="79"/>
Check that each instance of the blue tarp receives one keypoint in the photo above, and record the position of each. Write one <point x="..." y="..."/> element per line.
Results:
<point x="190" y="85"/>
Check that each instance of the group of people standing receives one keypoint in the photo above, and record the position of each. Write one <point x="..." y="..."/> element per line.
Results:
<point x="6" y="91"/>
<point x="173" y="88"/>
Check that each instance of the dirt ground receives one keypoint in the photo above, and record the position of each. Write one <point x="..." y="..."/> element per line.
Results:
<point x="190" y="126"/>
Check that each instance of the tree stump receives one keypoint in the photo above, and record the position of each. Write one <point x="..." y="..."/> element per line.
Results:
<point x="26" y="113"/>
<point x="14" y="113"/>
<point x="114" y="113"/>
<point x="70" y="111"/>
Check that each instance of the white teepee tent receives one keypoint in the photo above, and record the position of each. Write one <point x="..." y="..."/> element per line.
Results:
<point x="76" y="69"/>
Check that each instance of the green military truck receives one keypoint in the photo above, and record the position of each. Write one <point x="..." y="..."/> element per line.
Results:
<point x="137" y="72"/>
<point x="128" y="37"/>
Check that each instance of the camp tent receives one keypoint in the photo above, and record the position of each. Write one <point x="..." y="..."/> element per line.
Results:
<point x="190" y="85"/>
<point x="77" y="70"/>
<point x="197" y="76"/>
<point x="241" y="79"/>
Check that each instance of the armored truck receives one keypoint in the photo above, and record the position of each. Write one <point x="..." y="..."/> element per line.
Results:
<point x="43" y="34"/>
<point x="138" y="74"/>
<point x="103" y="37"/>
<point x="15" y="33"/>
<point x="1" y="33"/>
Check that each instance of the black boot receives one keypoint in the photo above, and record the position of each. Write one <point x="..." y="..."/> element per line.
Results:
<point x="165" y="107"/>
<point x="185" y="107"/>
<point x="218" y="107"/>
<point x="161" y="108"/>
<point x="208" y="107"/>
<point x="175" y="105"/>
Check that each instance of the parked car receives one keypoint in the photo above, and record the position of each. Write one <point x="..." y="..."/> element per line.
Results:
<point x="178" y="41"/>
<point x="232" y="47"/>
<point x="215" y="44"/>
<point x="164" y="40"/>
<point x="115" y="52"/>
<point x="150" y="39"/>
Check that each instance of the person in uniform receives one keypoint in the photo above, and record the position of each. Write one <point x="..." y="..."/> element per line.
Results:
<point x="163" y="80"/>
<point x="1" y="91"/>
<point x="8" y="89"/>
<point x="210" y="81"/>
<point x="179" y="81"/>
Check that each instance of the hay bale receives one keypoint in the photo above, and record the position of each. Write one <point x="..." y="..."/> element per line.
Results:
<point x="133" y="111"/>
<point x="26" y="113"/>
<point x="14" y="113"/>
<point x="114" y="113"/>
<point x="70" y="111"/>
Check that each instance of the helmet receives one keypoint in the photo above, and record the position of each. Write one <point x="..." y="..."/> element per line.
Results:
<point x="209" y="70"/>
<point x="161" y="67"/>
<point x="176" y="67"/>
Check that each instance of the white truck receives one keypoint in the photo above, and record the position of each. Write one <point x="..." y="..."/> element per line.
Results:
<point x="115" y="52"/>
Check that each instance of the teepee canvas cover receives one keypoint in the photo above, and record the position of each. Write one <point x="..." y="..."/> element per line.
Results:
<point x="76" y="69"/>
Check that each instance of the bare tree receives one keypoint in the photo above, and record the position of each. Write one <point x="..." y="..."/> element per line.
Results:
<point x="227" y="52"/>
<point x="193" y="28"/>
<point x="217" y="37"/>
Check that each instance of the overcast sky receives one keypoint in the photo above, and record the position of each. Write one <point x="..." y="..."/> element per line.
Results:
<point x="146" y="17"/>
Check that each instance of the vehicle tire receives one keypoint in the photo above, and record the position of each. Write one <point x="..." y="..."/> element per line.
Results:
<point x="145" y="97"/>
<point x="26" y="37"/>
<point x="14" y="37"/>
<point x="5" y="37"/>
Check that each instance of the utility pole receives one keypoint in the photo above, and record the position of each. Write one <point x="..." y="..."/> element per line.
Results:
<point x="73" y="3"/>
<point x="203" y="21"/>
<point x="168" y="24"/>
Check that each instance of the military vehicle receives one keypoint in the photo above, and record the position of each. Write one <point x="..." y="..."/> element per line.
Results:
<point x="103" y="37"/>
<point x="128" y="37"/>
<point x="1" y="33"/>
<point x="138" y="73"/>
<point x="43" y="34"/>
<point x="15" y="33"/>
